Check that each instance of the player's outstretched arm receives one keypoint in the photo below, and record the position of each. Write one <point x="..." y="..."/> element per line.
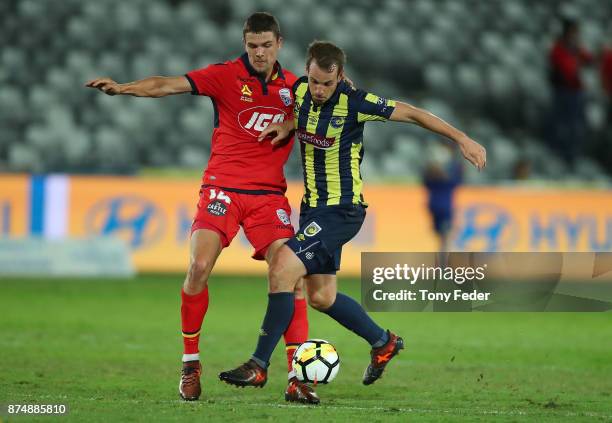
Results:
<point x="471" y="150"/>
<point x="154" y="86"/>
<point x="279" y="132"/>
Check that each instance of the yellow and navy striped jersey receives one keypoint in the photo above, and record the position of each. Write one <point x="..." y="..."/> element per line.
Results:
<point x="331" y="141"/>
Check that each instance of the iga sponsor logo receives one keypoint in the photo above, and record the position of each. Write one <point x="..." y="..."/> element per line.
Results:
<point x="256" y="119"/>
<point x="317" y="141"/>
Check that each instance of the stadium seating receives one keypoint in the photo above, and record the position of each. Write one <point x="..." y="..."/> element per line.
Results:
<point x="479" y="64"/>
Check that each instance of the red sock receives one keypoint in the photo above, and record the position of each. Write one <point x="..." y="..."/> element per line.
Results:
<point x="297" y="332"/>
<point x="193" y="309"/>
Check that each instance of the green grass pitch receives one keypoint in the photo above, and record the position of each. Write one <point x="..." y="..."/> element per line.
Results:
<point x="110" y="350"/>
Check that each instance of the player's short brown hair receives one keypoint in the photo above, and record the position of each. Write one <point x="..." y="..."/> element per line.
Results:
<point x="261" y="22"/>
<point x="326" y="55"/>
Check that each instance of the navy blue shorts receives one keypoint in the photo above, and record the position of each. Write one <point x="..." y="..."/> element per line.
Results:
<point x="323" y="231"/>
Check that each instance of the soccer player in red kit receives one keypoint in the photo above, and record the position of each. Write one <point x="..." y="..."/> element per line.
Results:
<point x="243" y="185"/>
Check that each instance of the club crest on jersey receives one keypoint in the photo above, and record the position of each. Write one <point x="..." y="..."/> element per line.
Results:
<point x="285" y="95"/>
<point x="283" y="217"/>
<point x="337" y="122"/>
<point x="246" y="93"/>
<point x="312" y="229"/>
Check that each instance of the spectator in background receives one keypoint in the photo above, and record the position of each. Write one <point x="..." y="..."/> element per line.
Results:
<point x="606" y="79"/>
<point x="605" y="151"/>
<point x="568" y="121"/>
<point x="522" y="169"/>
<point x="442" y="175"/>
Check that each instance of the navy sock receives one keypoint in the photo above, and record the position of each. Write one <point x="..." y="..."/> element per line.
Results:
<point x="351" y="315"/>
<point x="277" y="319"/>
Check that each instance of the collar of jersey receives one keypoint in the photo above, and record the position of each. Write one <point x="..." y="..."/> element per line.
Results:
<point x="277" y="73"/>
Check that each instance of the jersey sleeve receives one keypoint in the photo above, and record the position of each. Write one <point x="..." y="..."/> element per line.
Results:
<point x="299" y="81"/>
<point x="372" y="107"/>
<point x="208" y="81"/>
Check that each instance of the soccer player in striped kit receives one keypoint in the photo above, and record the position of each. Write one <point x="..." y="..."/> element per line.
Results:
<point x="329" y="119"/>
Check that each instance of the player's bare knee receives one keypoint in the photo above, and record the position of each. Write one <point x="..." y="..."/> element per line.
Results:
<point x="279" y="278"/>
<point x="321" y="300"/>
<point x="197" y="275"/>
<point x="276" y="277"/>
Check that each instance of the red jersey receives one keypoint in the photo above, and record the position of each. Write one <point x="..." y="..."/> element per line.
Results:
<point x="565" y="63"/>
<point x="606" y="71"/>
<point x="244" y="106"/>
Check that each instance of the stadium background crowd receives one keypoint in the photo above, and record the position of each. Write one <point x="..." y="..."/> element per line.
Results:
<point x="481" y="65"/>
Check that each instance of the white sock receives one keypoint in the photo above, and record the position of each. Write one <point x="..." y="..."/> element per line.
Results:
<point x="191" y="357"/>
<point x="291" y="374"/>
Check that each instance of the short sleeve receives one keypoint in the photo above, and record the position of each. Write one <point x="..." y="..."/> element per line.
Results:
<point x="207" y="81"/>
<point x="297" y="83"/>
<point x="372" y="107"/>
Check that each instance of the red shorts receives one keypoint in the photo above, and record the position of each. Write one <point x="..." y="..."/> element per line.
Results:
<point x="264" y="217"/>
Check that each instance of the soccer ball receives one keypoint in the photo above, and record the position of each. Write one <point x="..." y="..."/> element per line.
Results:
<point x="316" y="361"/>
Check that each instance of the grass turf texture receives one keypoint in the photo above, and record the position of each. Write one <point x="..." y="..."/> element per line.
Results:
<point x="111" y="351"/>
